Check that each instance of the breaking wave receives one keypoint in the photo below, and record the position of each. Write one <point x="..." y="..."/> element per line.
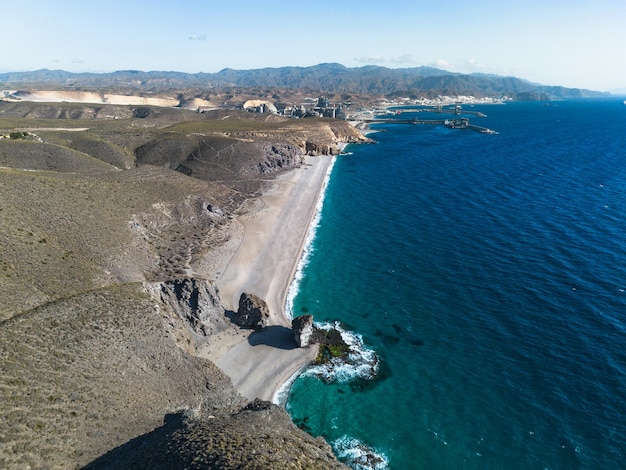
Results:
<point x="360" y="363"/>
<point x="307" y="249"/>
<point x="359" y="456"/>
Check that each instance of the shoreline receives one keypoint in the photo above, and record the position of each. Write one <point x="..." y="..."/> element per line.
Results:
<point x="296" y="277"/>
<point x="262" y="364"/>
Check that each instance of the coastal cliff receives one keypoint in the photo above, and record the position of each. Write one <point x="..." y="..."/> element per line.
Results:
<point x="108" y="288"/>
<point x="104" y="377"/>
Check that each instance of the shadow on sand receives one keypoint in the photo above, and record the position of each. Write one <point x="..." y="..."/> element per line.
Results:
<point x="230" y="315"/>
<point x="275" y="336"/>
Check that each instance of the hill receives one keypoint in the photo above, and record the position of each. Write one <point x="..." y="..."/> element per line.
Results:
<point x="114" y="226"/>
<point x="328" y="78"/>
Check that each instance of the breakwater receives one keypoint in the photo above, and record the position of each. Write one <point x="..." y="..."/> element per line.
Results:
<point x="460" y="123"/>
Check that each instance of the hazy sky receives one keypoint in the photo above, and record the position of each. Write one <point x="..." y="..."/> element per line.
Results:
<point x="575" y="43"/>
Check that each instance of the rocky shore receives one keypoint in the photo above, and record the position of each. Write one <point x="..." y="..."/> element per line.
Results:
<point x="120" y="279"/>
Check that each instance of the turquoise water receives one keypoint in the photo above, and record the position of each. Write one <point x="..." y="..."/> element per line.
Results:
<point x="486" y="275"/>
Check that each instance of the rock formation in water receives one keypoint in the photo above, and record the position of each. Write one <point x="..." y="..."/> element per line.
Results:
<point x="303" y="329"/>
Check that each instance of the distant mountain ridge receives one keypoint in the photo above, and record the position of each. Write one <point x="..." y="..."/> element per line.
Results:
<point x="328" y="77"/>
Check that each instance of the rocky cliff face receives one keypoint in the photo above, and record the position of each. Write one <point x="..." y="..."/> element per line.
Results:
<point x="194" y="301"/>
<point x="327" y="139"/>
<point x="83" y="375"/>
<point x="102" y="379"/>
<point x="312" y="148"/>
<point x="258" y="437"/>
<point x="216" y="157"/>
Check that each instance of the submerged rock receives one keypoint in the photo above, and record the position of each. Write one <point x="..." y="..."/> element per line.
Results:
<point x="253" y="312"/>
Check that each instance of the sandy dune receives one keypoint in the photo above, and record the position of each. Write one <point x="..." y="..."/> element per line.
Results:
<point x="62" y="96"/>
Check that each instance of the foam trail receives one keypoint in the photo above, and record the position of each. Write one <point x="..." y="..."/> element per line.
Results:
<point x="282" y="394"/>
<point x="359" y="456"/>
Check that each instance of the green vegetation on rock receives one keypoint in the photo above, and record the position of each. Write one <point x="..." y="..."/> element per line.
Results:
<point x="331" y="346"/>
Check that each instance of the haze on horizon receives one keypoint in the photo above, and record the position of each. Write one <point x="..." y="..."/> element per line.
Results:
<point x="573" y="43"/>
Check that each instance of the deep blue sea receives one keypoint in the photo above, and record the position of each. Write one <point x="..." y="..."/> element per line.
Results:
<point x="486" y="278"/>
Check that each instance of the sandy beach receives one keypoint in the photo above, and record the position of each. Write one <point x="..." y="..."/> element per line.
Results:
<point x="260" y="363"/>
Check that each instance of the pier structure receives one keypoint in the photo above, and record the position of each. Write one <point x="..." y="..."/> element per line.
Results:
<point x="403" y="121"/>
<point x="457" y="123"/>
<point x="457" y="110"/>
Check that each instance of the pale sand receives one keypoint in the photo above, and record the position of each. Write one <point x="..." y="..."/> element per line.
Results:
<point x="264" y="265"/>
<point x="56" y="96"/>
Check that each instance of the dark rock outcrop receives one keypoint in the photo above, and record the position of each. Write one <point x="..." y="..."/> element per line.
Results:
<point x="303" y="330"/>
<point x="313" y="148"/>
<point x="279" y="156"/>
<point x="253" y="312"/>
<point x="195" y="301"/>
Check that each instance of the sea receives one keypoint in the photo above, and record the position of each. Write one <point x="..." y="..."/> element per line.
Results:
<point x="481" y="280"/>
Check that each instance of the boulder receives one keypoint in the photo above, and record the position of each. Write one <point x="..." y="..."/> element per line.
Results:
<point x="302" y="327"/>
<point x="313" y="148"/>
<point x="253" y="312"/>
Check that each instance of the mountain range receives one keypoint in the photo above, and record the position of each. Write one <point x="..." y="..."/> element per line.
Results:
<point x="329" y="77"/>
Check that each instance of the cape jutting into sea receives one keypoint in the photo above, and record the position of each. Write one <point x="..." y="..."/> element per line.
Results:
<point x="482" y="281"/>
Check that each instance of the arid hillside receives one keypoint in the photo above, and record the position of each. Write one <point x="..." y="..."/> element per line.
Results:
<point x="102" y="208"/>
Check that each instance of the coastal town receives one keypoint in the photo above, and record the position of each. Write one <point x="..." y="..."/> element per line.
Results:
<point x="323" y="107"/>
<point x="388" y="112"/>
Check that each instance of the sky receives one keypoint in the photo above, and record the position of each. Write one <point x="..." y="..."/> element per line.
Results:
<point x="573" y="43"/>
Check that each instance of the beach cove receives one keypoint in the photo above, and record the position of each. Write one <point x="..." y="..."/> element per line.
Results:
<point x="136" y="286"/>
<point x="273" y="236"/>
